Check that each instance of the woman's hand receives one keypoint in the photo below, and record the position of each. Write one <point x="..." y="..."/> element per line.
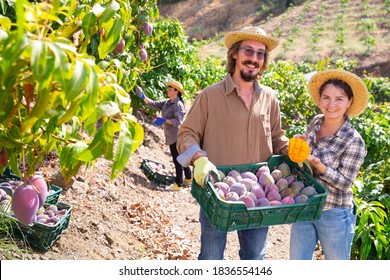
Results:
<point x="301" y="136"/>
<point x="140" y="93"/>
<point x="316" y="163"/>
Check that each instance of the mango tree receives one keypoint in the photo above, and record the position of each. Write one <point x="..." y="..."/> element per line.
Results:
<point x="54" y="95"/>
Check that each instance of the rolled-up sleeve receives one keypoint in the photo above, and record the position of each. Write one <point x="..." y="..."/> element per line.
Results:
<point x="350" y="162"/>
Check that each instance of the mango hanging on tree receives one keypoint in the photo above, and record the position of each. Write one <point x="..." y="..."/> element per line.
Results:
<point x="298" y="150"/>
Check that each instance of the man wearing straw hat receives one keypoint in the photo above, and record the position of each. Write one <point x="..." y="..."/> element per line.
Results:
<point x="172" y="112"/>
<point x="235" y="121"/>
<point x="337" y="153"/>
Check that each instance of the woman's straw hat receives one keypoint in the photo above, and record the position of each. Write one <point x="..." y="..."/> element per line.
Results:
<point x="253" y="34"/>
<point x="176" y="85"/>
<point x="359" y="89"/>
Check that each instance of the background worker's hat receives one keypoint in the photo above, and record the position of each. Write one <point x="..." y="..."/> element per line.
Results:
<point x="176" y="85"/>
<point x="251" y="33"/>
<point x="359" y="89"/>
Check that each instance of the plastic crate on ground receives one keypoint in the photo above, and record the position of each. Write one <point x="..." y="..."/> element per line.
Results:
<point x="41" y="235"/>
<point x="229" y="216"/>
<point x="154" y="176"/>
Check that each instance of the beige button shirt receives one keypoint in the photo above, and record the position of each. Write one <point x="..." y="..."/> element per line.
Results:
<point x="222" y="125"/>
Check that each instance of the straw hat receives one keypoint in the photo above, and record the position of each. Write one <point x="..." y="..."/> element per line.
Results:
<point x="253" y="34"/>
<point x="176" y="85"/>
<point x="359" y="89"/>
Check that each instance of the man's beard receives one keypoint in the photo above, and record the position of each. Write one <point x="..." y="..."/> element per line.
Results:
<point x="251" y="75"/>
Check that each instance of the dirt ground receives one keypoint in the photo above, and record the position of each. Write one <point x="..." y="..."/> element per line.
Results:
<point x="132" y="218"/>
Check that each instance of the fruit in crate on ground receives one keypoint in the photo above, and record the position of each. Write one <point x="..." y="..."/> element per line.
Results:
<point x="50" y="215"/>
<point x="159" y="168"/>
<point x="10" y="184"/>
<point x="264" y="187"/>
<point x="5" y="202"/>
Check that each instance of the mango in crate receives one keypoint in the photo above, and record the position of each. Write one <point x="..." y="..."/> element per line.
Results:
<point x="298" y="150"/>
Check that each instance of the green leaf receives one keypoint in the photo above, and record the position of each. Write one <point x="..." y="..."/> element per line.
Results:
<point x="112" y="38"/>
<point x="106" y="15"/>
<point x="137" y="133"/>
<point x="122" y="96"/>
<point x="366" y="245"/>
<point x="103" y="64"/>
<point x="89" y="21"/>
<point x="123" y="151"/>
<point x="5" y="23"/>
<point x="39" y="109"/>
<point x="7" y="102"/>
<point x="69" y="113"/>
<point x="110" y="129"/>
<point x="66" y="157"/>
<point x="50" y="17"/>
<point x="95" y="149"/>
<point x="88" y="103"/>
<point x="61" y="65"/>
<point x="14" y="164"/>
<point x="42" y="63"/>
<point x="69" y="29"/>
<point x="78" y="148"/>
<point x="105" y="109"/>
<point x="385" y="200"/>
<point x="79" y="80"/>
<point x="20" y="20"/>
<point x="38" y="60"/>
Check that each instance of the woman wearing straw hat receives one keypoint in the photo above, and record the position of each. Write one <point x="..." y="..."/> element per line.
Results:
<point x="235" y="121"/>
<point x="172" y="112"/>
<point x="337" y="153"/>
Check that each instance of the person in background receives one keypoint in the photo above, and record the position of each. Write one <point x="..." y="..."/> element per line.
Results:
<point x="337" y="153"/>
<point x="172" y="115"/>
<point x="235" y="121"/>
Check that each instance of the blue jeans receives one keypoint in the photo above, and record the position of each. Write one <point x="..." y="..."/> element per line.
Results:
<point x="335" y="230"/>
<point x="213" y="242"/>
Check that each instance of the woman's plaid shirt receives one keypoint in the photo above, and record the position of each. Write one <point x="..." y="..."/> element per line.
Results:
<point x="343" y="154"/>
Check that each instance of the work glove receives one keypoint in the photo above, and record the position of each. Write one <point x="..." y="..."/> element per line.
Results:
<point x="140" y="93"/>
<point x="203" y="168"/>
<point x="159" y="121"/>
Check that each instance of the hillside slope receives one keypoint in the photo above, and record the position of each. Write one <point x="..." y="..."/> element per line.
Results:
<point x="341" y="32"/>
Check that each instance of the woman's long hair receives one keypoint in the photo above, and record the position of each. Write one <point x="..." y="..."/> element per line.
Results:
<point x="180" y="97"/>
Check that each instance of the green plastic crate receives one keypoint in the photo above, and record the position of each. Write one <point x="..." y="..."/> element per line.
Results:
<point x="156" y="177"/>
<point x="229" y="216"/>
<point x="54" y="191"/>
<point x="40" y="235"/>
<point x="52" y="198"/>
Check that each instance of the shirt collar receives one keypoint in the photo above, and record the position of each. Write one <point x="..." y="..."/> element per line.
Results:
<point x="176" y="100"/>
<point x="345" y="129"/>
<point x="230" y="86"/>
